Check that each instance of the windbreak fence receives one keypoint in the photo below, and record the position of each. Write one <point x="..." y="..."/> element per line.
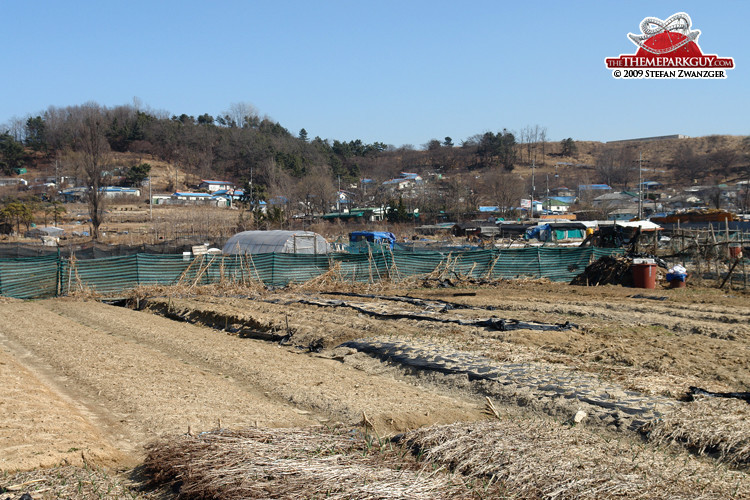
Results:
<point x="94" y="250"/>
<point x="50" y="276"/>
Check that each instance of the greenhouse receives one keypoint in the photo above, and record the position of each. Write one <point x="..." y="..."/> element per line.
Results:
<point x="298" y="242"/>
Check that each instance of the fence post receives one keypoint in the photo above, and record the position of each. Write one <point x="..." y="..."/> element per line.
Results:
<point x="58" y="278"/>
<point x="539" y="261"/>
<point x="137" y="270"/>
<point x="273" y="266"/>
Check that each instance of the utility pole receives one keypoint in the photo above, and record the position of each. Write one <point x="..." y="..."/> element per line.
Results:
<point x="533" y="187"/>
<point x="150" y="199"/>
<point x="640" y="185"/>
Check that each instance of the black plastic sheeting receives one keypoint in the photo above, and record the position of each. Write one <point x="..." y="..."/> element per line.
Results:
<point x="697" y="391"/>
<point x="497" y="324"/>
<point x="446" y="306"/>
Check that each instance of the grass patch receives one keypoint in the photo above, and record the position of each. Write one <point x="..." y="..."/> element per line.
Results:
<point x="295" y="463"/>
<point x="715" y="426"/>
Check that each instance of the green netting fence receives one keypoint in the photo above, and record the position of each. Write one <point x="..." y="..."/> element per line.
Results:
<point x="50" y="276"/>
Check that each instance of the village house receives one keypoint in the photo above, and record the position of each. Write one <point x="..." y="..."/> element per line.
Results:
<point x="407" y="181"/>
<point x="556" y="205"/>
<point x="623" y="199"/>
<point x="189" y="198"/>
<point x="116" y="191"/>
<point x="212" y="186"/>
<point x="13" y="181"/>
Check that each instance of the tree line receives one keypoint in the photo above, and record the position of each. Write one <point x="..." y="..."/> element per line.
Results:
<point x="269" y="161"/>
<point x="239" y="144"/>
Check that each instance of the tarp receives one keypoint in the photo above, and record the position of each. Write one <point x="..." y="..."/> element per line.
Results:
<point x="645" y="225"/>
<point x="373" y="237"/>
<point x="541" y="233"/>
<point x="255" y="242"/>
<point x="567" y="230"/>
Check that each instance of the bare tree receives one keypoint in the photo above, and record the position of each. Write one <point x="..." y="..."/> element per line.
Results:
<point x="504" y="188"/>
<point x="241" y="114"/>
<point x="534" y="137"/>
<point x="688" y="162"/>
<point x="316" y="190"/>
<point x="529" y="139"/>
<point x="724" y="158"/>
<point x="93" y="155"/>
<point x="543" y="143"/>
<point x="16" y="127"/>
<point x="615" y="165"/>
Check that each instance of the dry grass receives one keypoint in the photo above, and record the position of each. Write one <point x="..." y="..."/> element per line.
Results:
<point x="294" y="463"/>
<point x="72" y="483"/>
<point x="533" y="459"/>
<point x="715" y="426"/>
<point x="225" y="289"/>
<point x="506" y="457"/>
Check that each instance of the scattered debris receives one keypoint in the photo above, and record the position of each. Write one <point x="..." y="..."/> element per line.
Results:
<point x="607" y="270"/>
<point x="615" y="270"/>
<point x="649" y="297"/>
<point x="580" y="416"/>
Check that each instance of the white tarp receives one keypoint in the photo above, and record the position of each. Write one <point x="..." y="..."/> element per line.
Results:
<point x="645" y="225"/>
<point x="253" y="242"/>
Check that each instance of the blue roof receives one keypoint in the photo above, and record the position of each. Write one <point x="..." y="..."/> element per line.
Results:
<point x="489" y="209"/>
<point x="585" y="187"/>
<point x="199" y="195"/>
<point x="217" y="182"/>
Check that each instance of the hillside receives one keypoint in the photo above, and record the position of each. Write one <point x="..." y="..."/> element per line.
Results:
<point x="721" y="158"/>
<point x="309" y="175"/>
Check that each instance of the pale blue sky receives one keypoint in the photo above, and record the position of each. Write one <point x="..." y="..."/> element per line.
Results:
<point x="400" y="72"/>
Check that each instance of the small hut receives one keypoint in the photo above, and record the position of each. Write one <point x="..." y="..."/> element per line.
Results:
<point x="254" y="242"/>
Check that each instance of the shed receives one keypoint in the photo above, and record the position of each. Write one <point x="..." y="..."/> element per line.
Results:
<point x="475" y="228"/>
<point x="512" y="230"/>
<point x="559" y="231"/>
<point x="254" y="242"/>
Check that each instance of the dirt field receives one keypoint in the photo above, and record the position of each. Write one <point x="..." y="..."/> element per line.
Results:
<point x="87" y="383"/>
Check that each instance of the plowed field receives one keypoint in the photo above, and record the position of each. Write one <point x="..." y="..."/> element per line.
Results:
<point x="84" y="381"/>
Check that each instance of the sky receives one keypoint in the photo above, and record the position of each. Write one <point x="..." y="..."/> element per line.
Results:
<point x="398" y="72"/>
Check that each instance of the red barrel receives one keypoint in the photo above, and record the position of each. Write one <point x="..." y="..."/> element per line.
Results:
<point x="735" y="251"/>
<point x="644" y="273"/>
